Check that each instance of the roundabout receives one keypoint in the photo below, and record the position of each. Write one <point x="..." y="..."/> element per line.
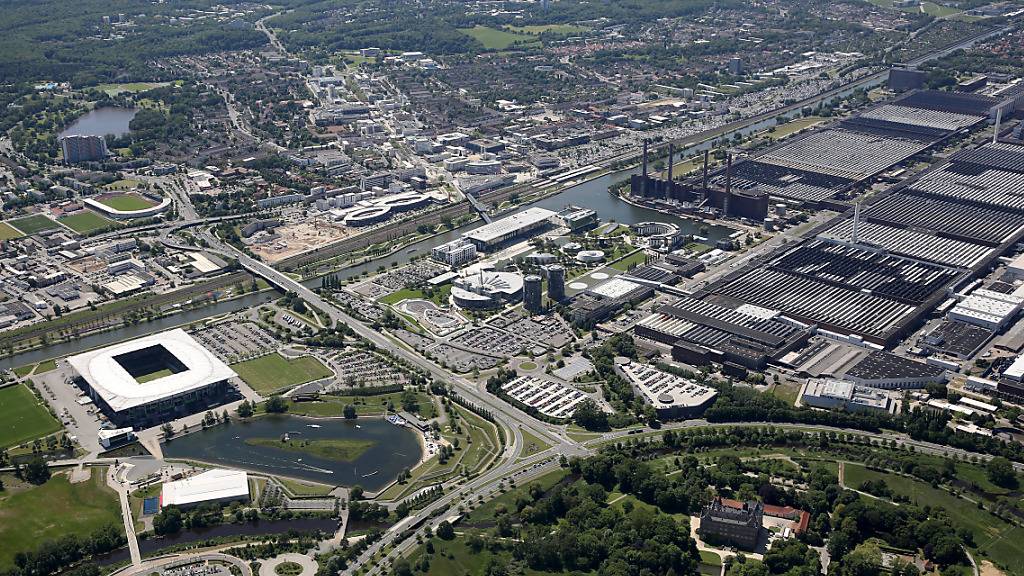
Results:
<point x="288" y="565"/>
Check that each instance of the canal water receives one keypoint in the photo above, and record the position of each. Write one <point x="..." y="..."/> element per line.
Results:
<point x="62" y="349"/>
<point x="394" y="449"/>
<point x="102" y="121"/>
<point x="149" y="546"/>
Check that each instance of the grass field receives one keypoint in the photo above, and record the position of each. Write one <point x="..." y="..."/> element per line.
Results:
<point x="85" y="222"/>
<point x="486" y="510"/>
<point x="794" y="126"/>
<point x="994" y="538"/>
<point x="532" y="444"/>
<point x="132" y="87"/>
<point x="274" y="372"/>
<point x="303" y="488"/>
<point x="7" y="232"/>
<point x="124" y="184"/>
<point x="495" y="39"/>
<point x="153" y="376"/>
<point x="635" y="259"/>
<point x="33" y="224"/>
<point x="22" y="417"/>
<point x="331" y="405"/>
<point x="31" y="514"/>
<point x="338" y="449"/>
<point x="126" y="202"/>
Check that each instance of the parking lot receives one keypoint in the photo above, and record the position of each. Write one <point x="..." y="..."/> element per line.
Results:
<point x="236" y="341"/>
<point x="549" y="329"/>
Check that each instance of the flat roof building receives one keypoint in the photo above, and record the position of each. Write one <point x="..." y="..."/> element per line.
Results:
<point x="837" y="394"/>
<point x="151" y="380"/>
<point x="217" y="485"/>
<point x="500" y="231"/>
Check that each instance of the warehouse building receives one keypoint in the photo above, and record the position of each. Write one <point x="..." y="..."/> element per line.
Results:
<point x="837" y="394"/>
<point x="987" y="309"/>
<point x="889" y="371"/>
<point x="213" y="486"/>
<point x="703" y="332"/>
<point x="154" y="379"/>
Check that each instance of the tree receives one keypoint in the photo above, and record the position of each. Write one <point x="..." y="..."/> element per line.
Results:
<point x="37" y="472"/>
<point x="1000" y="472"/>
<point x="349" y="411"/>
<point x="168" y="430"/>
<point x="590" y="416"/>
<point x="445" y="530"/>
<point x="168" y="521"/>
<point x="244" y="409"/>
<point x="276" y="405"/>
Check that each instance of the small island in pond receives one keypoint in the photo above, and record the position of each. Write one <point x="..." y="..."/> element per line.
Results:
<point x="339" y="449"/>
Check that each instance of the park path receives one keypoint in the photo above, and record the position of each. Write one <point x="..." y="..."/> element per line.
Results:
<point x="122" y="489"/>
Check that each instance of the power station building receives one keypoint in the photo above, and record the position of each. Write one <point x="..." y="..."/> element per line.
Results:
<point x="154" y="379"/>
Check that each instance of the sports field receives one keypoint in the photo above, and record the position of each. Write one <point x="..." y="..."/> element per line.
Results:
<point x="126" y="202"/>
<point x="86" y="222"/>
<point x="275" y="372"/>
<point x="31" y="514"/>
<point x="33" y="224"/>
<point x="23" y="417"/>
<point x="7" y="232"/>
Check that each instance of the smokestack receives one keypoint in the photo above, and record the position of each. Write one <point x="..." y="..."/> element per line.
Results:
<point x="671" y="155"/>
<point x="999" y="120"/>
<point x="728" y="182"/>
<point x="645" y="159"/>
<point x="704" y="184"/>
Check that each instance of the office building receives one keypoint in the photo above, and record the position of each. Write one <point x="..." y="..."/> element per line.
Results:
<point x="837" y="394"/>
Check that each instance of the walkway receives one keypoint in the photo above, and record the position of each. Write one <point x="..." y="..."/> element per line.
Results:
<point x="122" y="490"/>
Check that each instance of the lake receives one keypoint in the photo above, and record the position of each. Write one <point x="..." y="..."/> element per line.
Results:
<point x="102" y="121"/>
<point x="395" y="448"/>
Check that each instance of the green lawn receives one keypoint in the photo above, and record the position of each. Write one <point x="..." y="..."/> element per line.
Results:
<point x="31" y="514"/>
<point x="303" y="488"/>
<point x="330" y="405"/>
<point x="274" y="372"/>
<point x="495" y="39"/>
<point x="153" y="376"/>
<point x="338" y="449"/>
<point x="85" y="222"/>
<point x="33" y="224"/>
<point x="124" y="184"/>
<point x="133" y="87"/>
<point x="23" y="417"/>
<point x="7" y="232"/>
<point x="533" y="444"/>
<point x="795" y="126"/>
<point x="635" y="259"/>
<point x="994" y="538"/>
<point x="485" y="512"/>
<point x="126" y="202"/>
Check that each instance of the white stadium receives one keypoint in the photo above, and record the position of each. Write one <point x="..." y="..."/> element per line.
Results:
<point x="154" y="379"/>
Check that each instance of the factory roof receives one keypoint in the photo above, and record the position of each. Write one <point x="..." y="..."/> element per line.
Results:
<point x="192" y="367"/>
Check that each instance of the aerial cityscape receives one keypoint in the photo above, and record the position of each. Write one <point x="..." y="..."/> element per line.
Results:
<point x="512" y="288"/>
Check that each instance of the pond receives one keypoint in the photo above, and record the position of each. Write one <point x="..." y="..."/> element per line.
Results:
<point x="377" y="451"/>
<point x="102" y="121"/>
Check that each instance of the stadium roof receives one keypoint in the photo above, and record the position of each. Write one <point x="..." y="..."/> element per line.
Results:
<point x="108" y="377"/>
<point x="217" y="484"/>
